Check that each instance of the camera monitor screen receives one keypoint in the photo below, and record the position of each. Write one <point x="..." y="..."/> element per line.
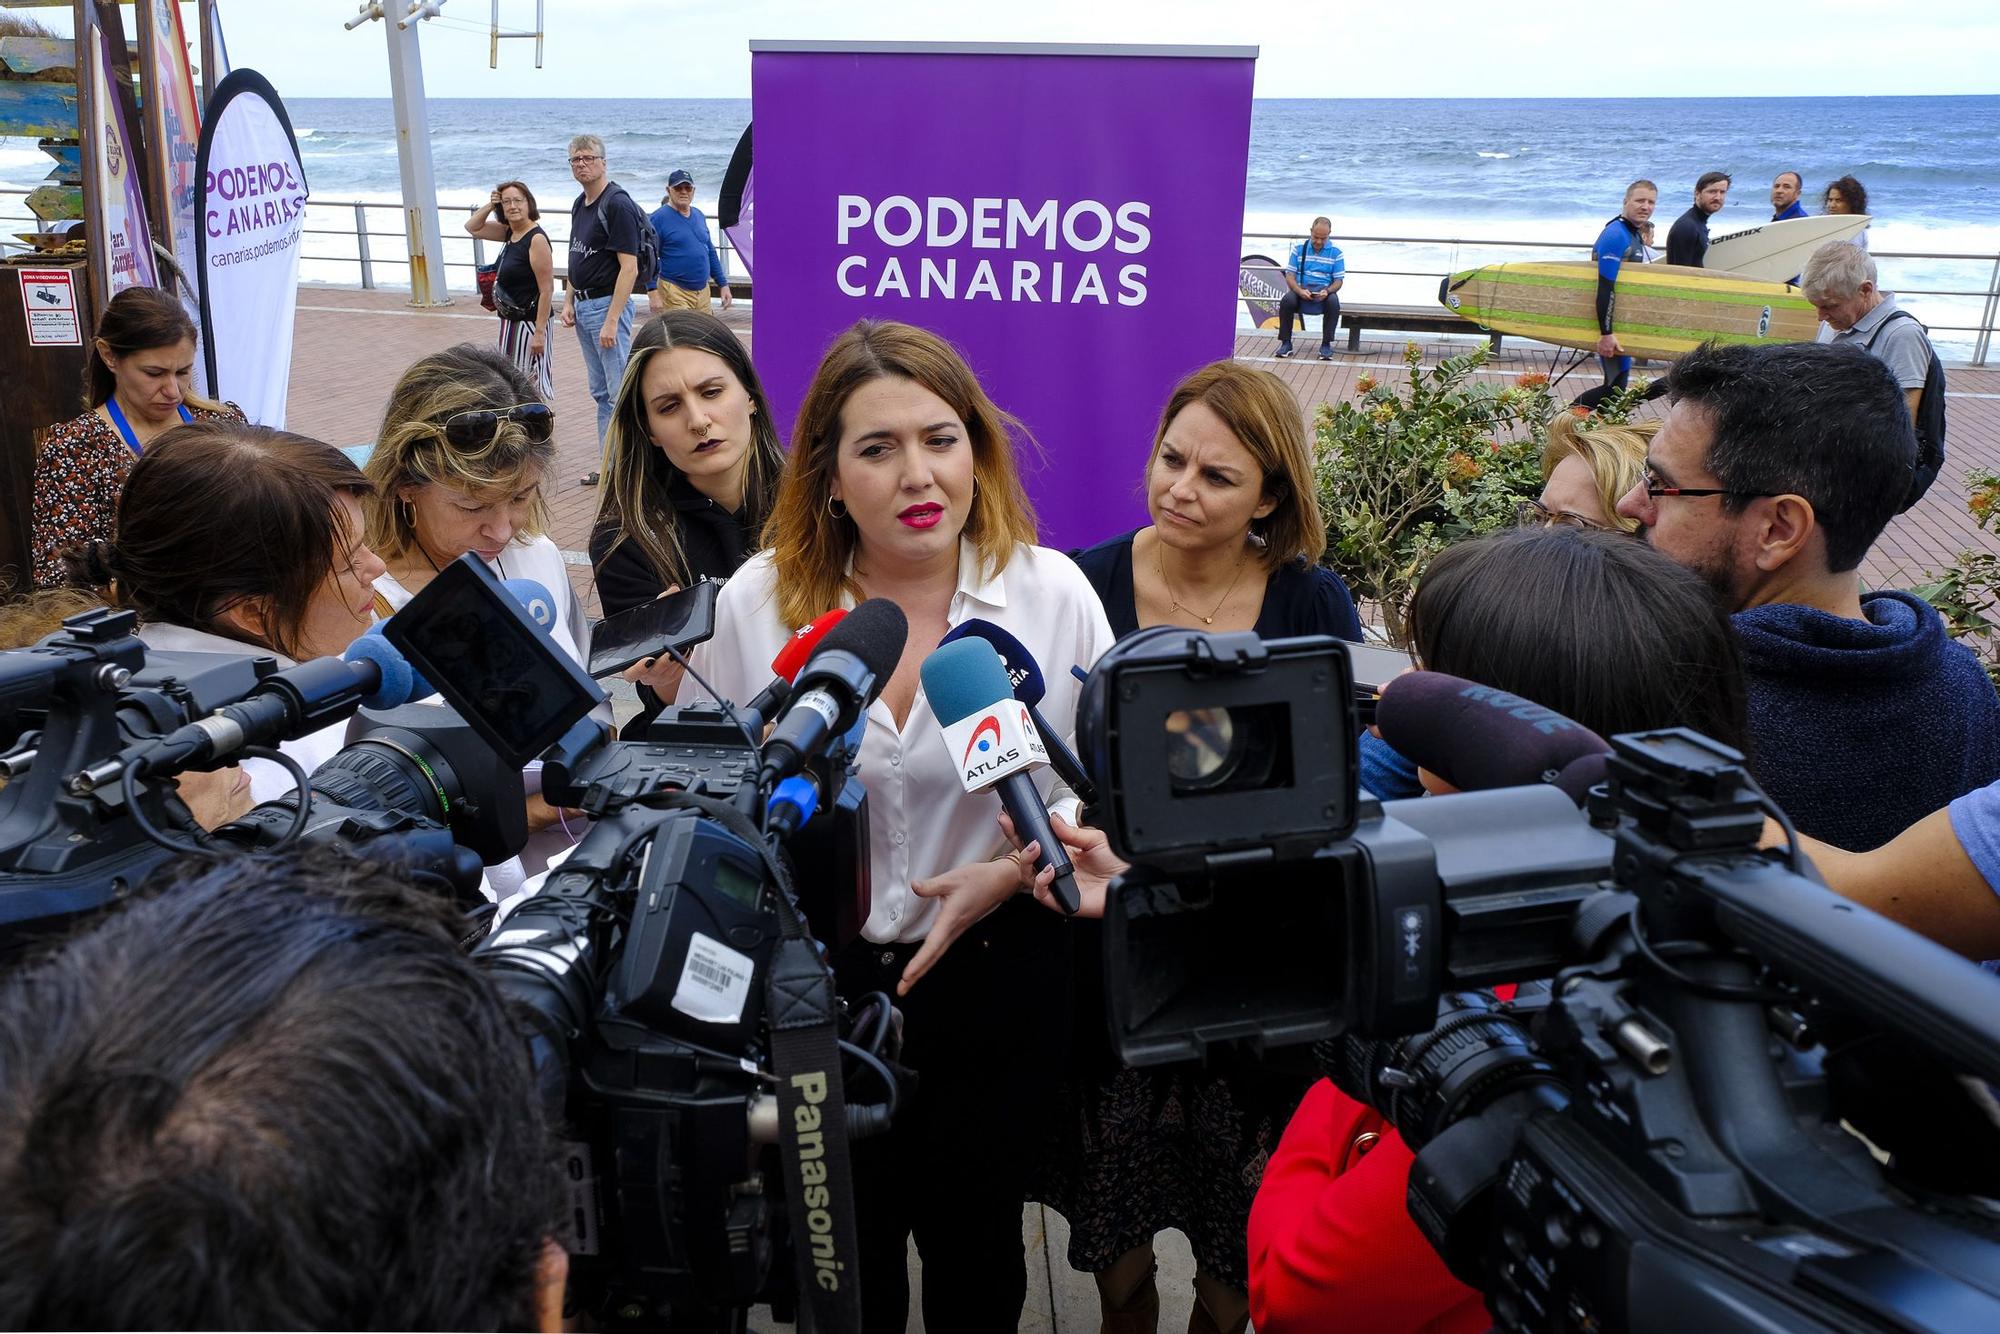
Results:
<point x="491" y="662"/>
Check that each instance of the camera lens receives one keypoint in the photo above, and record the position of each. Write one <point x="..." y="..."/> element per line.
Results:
<point x="392" y="770"/>
<point x="1224" y="750"/>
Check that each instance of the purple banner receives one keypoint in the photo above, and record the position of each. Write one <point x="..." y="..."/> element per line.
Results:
<point x="1071" y="221"/>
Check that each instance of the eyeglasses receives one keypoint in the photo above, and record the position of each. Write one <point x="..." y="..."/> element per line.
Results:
<point x="479" y="427"/>
<point x="575" y="158"/>
<point x="1534" y="514"/>
<point x="1657" y="489"/>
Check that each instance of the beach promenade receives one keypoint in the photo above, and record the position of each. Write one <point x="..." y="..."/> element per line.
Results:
<point x="350" y="345"/>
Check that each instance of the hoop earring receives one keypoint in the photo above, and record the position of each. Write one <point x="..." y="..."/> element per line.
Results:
<point x="840" y="513"/>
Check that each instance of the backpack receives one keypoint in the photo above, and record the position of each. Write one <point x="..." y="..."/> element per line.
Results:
<point x="649" y="240"/>
<point x="1930" y="414"/>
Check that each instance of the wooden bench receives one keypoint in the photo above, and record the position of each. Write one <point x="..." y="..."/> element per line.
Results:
<point x="1407" y="319"/>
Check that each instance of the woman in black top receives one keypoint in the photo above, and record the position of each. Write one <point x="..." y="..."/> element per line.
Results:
<point x="691" y="468"/>
<point x="524" y="282"/>
<point x="1234" y="545"/>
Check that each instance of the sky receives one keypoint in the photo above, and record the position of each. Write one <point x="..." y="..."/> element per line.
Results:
<point x="1429" y="48"/>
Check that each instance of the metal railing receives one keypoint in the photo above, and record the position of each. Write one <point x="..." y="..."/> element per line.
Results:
<point x="353" y="249"/>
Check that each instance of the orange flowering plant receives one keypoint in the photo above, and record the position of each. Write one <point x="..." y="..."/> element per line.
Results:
<point x="1406" y="469"/>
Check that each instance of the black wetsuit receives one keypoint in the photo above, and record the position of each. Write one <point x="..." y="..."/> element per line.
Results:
<point x="1687" y="243"/>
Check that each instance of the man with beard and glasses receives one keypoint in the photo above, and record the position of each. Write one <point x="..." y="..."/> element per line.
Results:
<point x="1775" y="471"/>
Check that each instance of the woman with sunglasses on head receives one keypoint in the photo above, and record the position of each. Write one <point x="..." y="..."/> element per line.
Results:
<point x="692" y="460"/>
<point x="458" y="466"/>
<point x="239" y="539"/>
<point x="902" y="484"/>
<point x="523" y="279"/>
<point x="135" y="386"/>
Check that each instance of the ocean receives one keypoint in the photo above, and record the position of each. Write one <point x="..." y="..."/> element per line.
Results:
<point x="1466" y="174"/>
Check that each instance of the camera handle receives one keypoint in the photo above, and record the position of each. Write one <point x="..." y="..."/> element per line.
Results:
<point x="802" y="1007"/>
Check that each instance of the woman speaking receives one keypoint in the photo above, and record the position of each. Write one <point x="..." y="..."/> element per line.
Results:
<point x="901" y="484"/>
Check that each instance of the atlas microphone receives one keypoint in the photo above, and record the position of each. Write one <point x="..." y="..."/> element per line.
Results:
<point x="1475" y="737"/>
<point x="1025" y="676"/>
<point x="993" y="741"/>
<point x="854" y="662"/>
<point x="785" y="667"/>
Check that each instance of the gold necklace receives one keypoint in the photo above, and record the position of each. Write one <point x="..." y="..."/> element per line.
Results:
<point x="1175" y="604"/>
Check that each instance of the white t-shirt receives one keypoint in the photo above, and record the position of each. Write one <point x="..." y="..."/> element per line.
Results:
<point x="921" y="819"/>
<point x="268" y="779"/>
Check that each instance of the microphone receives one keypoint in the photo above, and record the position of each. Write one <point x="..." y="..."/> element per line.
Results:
<point x="535" y="599"/>
<point x="1475" y="737"/>
<point x="400" y="682"/>
<point x="791" y="658"/>
<point x="994" y="745"/>
<point x="854" y="662"/>
<point x="1026" y="677"/>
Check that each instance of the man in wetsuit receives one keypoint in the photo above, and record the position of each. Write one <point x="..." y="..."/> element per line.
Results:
<point x="1785" y="192"/>
<point x="1687" y="242"/>
<point x="1618" y="242"/>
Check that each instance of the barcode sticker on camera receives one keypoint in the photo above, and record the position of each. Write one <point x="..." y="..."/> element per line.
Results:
<point x="714" y="983"/>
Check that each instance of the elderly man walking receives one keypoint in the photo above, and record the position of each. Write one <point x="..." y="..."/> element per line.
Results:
<point x="1840" y="282"/>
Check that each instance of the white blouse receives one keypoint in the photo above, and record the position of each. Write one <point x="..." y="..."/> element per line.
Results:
<point x="921" y="819"/>
<point x="269" y="780"/>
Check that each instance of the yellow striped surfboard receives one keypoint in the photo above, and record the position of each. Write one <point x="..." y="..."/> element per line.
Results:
<point x="1662" y="310"/>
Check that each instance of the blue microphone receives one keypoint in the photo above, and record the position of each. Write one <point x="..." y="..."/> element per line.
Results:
<point x="1025" y="675"/>
<point x="994" y="744"/>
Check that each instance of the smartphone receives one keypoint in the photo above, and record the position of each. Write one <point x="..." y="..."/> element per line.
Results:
<point x="1374" y="667"/>
<point x="678" y="621"/>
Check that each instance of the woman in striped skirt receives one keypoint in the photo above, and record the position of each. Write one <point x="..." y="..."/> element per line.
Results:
<point x="524" y="282"/>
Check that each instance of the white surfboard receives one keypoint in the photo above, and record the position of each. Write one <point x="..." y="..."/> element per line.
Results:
<point x="1776" y="251"/>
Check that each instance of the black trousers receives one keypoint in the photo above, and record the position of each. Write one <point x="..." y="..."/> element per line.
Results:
<point x="1292" y="307"/>
<point x="987" y="1032"/>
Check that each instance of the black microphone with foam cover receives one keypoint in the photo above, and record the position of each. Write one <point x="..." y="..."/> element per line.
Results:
<point x="1475" y="737"/>
<point x="839" y="682"/>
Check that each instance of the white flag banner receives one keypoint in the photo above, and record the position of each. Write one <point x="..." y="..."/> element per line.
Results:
<point x="253" y="211"/>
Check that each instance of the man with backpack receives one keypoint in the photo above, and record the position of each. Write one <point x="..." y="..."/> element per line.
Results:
<point x="612" y="254"/>
<point x="1840" y="283"/>
<point x="1313" y="278"/>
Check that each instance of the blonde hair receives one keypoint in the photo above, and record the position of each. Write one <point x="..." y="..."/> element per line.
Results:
<point x="810" y="546"/>
<point x="1265" y="418"/>
<point x="1615" y="455"/>
<point x="411" y="449"/>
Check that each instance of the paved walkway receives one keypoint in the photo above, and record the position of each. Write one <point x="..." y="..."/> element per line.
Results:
<point x="350" y="345"/>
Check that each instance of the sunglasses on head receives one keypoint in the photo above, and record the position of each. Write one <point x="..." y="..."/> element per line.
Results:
<point x="477" y="427"/>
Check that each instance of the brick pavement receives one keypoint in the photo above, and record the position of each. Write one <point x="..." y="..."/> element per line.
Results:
<point x="350" y="345"/>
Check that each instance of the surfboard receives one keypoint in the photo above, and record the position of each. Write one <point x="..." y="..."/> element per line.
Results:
<point x="1662" y="310"/>
<point x="1261" y="281"/>
<point x="1777" y="251"/>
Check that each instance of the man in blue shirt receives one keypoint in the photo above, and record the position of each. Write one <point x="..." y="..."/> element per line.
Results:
<point x="1623" y="238"/>
<point x="688" y="259"/>
<point x="1314" y="276"/>
<point x="1785" y="192"/>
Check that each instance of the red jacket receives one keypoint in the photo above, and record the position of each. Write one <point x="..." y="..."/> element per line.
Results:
<point x="1332" y="1244"/>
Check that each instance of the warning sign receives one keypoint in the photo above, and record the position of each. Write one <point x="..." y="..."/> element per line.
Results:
<point x="49" y="296"/>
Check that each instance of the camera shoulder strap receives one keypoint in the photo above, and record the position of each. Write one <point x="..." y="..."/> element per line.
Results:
<point x="800" y="999"/>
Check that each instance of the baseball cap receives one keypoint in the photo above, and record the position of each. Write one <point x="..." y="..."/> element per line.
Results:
<point x="679" y="178"/>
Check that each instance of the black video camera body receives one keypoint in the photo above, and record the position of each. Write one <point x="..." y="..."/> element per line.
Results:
<point x="1666" y="1132"/>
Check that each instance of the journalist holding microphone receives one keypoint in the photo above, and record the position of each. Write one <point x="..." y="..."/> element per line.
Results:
<point x="901" y="484"/>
